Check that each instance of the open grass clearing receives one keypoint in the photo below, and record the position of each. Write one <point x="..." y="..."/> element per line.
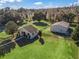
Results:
<point x="53" y="48"/>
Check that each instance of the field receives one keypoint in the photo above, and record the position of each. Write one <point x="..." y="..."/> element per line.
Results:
<point x="55" y="47"/>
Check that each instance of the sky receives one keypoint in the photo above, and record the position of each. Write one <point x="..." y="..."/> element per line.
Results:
<point x="36" y="4"/>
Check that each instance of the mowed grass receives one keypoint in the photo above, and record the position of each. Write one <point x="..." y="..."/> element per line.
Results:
<point x="3" y="35"/>
<point x="54" y="48"/>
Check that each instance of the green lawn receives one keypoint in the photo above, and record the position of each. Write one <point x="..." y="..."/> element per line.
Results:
<point x="3" y="35"/>
<point x="55" y="47"/>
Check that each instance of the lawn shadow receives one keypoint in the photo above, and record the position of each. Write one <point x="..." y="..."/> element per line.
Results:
<point x="77" y="43"/>
<point x="41" y="40"/>
<point x="2" y="28"/>
<point x="67" y="35"/>
<point x="22" y="41"/>
<point x="40" y="24"/>
<point x="6" y="47"/>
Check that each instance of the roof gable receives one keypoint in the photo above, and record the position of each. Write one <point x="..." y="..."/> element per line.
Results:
<point x="62" y="23"/>
<point x="30" y="28"/>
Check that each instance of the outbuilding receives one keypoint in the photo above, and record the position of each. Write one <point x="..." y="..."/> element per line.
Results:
<point x="60" y="27"/>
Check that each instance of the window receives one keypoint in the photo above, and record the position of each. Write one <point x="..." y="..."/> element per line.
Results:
<point x="33" y="33"/>
<point x="28" y="36"/>
<point x="23" y="34"/>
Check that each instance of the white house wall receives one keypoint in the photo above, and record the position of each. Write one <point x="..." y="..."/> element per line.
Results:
<point x="23" y="30"/>
<point x="27" y="33"/>
<point x="31" y="35"/>
<point x="58" y="28"/>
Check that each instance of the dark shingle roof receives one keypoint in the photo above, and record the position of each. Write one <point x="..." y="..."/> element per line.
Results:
<point x="30" y="28"/>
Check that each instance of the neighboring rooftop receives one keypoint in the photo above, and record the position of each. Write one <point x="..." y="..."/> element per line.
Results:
<point x="30" y="28"/>
<point x="62" y="23"/>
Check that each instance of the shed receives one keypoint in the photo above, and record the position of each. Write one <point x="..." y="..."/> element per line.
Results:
<point x="60" y="27"/>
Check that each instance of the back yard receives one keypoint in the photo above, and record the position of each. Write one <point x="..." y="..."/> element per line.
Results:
<point x="55" y="47"/>
<point x="3" y="35"/>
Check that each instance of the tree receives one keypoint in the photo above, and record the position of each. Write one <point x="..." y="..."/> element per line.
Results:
<point x="50" y="16"/>
<point x="21" y="9"/>
<point x="11" y="27"/>
<point x="39" y="16"/>
<point x="75" y="35"/>
<point x="71" y="17"/>
<point x="7" y="9"/>
<point x="65" y="17"/>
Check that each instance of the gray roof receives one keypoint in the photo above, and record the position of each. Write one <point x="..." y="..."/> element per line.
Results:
<point x="62" y="23"/>
<point x="29" y="28"/>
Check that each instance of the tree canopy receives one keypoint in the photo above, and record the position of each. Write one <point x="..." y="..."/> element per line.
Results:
<point x="11" y="27"/>
<point x="75" y="35"/>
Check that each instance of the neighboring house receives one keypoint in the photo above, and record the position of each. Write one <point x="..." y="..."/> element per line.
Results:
<point x="28" y="31"/>
<point x="60" y="27"/>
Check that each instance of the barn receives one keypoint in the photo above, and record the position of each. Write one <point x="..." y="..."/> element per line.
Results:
<point x="29" y="31"/>
<point x="60" y="27"/>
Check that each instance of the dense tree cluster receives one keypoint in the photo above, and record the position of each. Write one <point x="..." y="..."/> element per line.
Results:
<point x="75" y="35"/>
<point x="8" y="14"/>
<point x="69" y="14"/>
<point x="39" y="16"/>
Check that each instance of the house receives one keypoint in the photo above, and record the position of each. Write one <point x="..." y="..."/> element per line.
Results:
<point x="60" y="27"/>
<point x="29" y="31"/>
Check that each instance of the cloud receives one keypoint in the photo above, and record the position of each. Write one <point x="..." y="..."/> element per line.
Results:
<point x="2" y="2"/>
<point x="38" y="3"/>
<point x="41" y="5"/>
<point x="18" y="0"/>
<point x="11" y="1"/>
<point x="76" y="2"/>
